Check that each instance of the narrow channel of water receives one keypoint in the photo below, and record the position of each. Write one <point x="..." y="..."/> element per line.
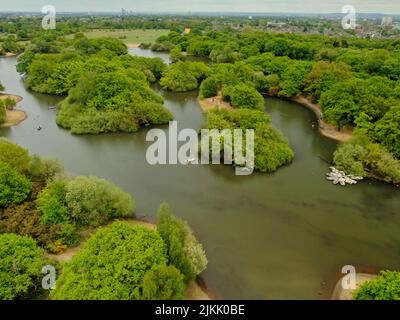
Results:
<point x="268" y="236"/>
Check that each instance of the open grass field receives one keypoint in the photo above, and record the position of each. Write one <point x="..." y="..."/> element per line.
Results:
<point x="129" y="36"/>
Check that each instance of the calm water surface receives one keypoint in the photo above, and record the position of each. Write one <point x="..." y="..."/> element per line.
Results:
<point x="268" y="236"/>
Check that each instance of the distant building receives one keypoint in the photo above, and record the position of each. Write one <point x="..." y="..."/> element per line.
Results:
<point x="187" y="31"/>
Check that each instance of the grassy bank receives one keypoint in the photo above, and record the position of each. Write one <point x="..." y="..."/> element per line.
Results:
<point x="129" y="37"/>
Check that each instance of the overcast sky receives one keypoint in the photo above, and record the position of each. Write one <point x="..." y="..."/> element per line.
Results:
<point x="308" y="6"/>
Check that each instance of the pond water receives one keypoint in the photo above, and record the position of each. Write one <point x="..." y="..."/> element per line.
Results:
<point x="267" y="236"/>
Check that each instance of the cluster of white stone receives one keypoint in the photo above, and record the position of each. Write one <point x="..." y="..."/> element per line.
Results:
<point x="339" y="177"/>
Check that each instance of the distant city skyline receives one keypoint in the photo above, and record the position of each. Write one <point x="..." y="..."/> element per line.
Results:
<point x="234" y="6"/>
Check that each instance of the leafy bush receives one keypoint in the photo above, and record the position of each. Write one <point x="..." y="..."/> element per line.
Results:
<point x="42" y="170"/>
<point x="21" y="263"/>
<point x="184" y="76"/>
<point x="111" y="265"/>
<point x="14" y="187"/>
<point x="92" y="201"/>
<point x="387" y="131"/>
<point x="243" y="96"/>
<point x="361" y="157"/>
<point x="14" y="155"/>
<point x="24" y="220"/>
<point x="209" y="88"/>
<point x="184" y="250"/>
<point x="271" y="149"/>
<point x="384" y="287"/>
<point x="3" y="115"/>
<point x="163" y="283"/>
<point x="51" y="203"/>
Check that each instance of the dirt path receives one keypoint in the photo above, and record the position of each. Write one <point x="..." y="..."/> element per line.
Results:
<point x="325" y="129"/>
<point x="194" y="290"/>
<point x="214" y="102"/>
<point x="13" y="117"/>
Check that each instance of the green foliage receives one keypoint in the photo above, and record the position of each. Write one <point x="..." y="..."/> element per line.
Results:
<point x="209" y="88"/>
<point x="21" y="263"/>
<point x="112" y="265"/>
<point x="14" y="187"/>
<point x="184" y="251"/>
<point x="111" y="102"/>
<point x="43" y="170"/>
<point x="10" y="44"/>
<point x="93" y="201"/>
<point x="14" y="155"/>
<point x="176" y="54"/>
<point x="324" y="75"/>
<point x="163" y="283"/>
<point x="184" y="76"/>
<point x="271" y="149"/>
<point x="51" y="203"/>
<point x="386" y="286"/>
<point x="3" y="115"/>
<point x="243" y="96"/>
<point x="387" y="131"/>
<point x="91" y="46"/>
<point x="361" y="157"/>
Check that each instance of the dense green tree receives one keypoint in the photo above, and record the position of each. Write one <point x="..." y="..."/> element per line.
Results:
<point x="184" y="76"/>
<point x="243" y="96"/>
<point x="183" y="249"/>
<point x="10" y="44"/>
<point x="324" y="75"/>
<point x="21" y="263"/>
<point x="112" y="265"/>
<point x="163" y="283"/>
<point x="271" y="149"/>
<point x="51" y="203"/>
<point x="14" y="187"/>
<point x="14" y="155"/>
<point x="361" y="157"/>
<point x="387" y="131"/>
<point x="92" y="201"/>
<point x="384" y="287"/>
<point x="209" y="88"/>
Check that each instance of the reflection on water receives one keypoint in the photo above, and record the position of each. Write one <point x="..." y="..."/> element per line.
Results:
<point x="267" y="236"/>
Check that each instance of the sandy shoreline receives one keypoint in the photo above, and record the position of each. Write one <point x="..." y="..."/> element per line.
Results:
<point x="13" y="117"/>
<point x="347" y="294"/>
<point x="195" y="291"/>
<point x="325" y="129"/>
<point x="210" y="103"/>
<point x="9" y="55"/>
<point x="132" y="45"/>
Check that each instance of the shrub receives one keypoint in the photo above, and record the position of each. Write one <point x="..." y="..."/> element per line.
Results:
<point x="384" y="287"/>
<point x="243" y="96"/>
<point x="3" y="115"/>
<point x="163" y="283"/>
<point x="51" y="203"/>
<point x="184" y="76"/>
<point x="21" y="262"/>
<point x="14" y="187"/>
<point x="184" y="251"/>
<point x="362" y="157"/>
<point x="14" y="155"/>
<point x="271" y="149"/>
<point x="111" y="265"/>
<point x="93" y="201"/>
<point x="42" y="170"/>
<point x="209" y="88"/>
